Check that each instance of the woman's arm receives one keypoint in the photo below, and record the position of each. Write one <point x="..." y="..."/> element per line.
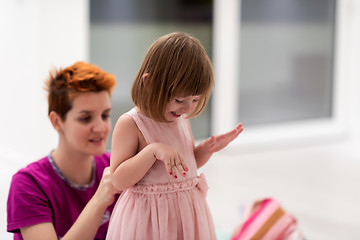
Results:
<point x="84" y="228"/>
<point x="88" y="222"/>
<point x="41" y="231"/>
<point x="213" y="144"/>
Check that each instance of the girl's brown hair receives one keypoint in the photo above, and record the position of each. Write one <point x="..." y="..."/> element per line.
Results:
<point x="64" y="85"/>
<point x="177" y="66"/>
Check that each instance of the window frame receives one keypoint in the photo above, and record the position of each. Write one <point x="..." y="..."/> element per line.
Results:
<point x="224" y="116"/>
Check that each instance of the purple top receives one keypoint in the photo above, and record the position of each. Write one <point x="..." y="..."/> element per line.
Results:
<point x="40" y="193"/>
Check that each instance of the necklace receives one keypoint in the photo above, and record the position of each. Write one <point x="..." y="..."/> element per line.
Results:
<point x="73" y="185"/>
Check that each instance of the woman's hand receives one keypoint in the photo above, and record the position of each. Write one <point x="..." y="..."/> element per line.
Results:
<point x="171" y="157"/>
<point x="106" y="191"/>
<point x="87" y="224"/>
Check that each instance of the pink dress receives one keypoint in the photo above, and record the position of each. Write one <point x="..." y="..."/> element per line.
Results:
<point x="160" y="206"/>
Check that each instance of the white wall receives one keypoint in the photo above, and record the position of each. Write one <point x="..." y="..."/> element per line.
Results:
<point x="35" y="36"/>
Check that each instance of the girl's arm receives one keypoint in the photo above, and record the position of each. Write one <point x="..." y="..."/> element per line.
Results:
<point x="88" y="222"/>
<point x="214" y="144"/>
<point x="131" y="157"/>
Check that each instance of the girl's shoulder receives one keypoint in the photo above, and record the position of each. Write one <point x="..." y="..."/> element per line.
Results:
<point x="128" y="121"/>
<point x="125" y="122"/>
<point x="125" y="130"/>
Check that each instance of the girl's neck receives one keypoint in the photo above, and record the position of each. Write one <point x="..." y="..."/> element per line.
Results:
<point x="75" y="166"/>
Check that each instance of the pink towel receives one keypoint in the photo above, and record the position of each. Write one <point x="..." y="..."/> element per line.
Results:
<point x="266" y="220"/>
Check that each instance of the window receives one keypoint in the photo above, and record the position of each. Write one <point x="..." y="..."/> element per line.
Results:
<point x="274" y="60"/>
<point x="275" y="69"/>
<point x="122" y="31"/>
<point x="286" y="60"/>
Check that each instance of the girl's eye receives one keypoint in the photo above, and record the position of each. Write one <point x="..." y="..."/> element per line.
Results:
<point x="196" y="100"/>
<point x="179" y="101"/>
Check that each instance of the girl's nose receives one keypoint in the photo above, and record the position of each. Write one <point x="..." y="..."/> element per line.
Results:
<point x="186" y="107"/>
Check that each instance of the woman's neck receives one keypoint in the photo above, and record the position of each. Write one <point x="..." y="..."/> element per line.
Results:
<point x="75" y="166"/>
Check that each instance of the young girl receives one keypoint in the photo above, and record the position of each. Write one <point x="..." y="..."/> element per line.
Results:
<point x="153" y="155"/>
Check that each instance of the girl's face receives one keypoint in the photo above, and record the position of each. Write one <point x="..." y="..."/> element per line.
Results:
<point x="179" y="106"/>
<point x="87" y="124"/>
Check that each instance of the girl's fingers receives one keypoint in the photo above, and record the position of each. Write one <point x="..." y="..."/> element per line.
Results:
<point x="180" y="166"/>
<point x="230" y="136"/>
<point x="173" y="170"/>
<point x="182" y="169"/>
<point x="211" y="140"/>
<point x="170" y="166"/>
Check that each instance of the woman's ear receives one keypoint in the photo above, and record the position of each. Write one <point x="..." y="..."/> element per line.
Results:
<point x="55" y="120"/>
<point x="145" y="79"/>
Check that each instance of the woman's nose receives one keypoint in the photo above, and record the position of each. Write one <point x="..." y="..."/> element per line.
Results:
<point x="100" y="126"/>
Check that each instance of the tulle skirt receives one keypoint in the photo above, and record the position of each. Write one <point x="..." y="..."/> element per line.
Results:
<point x="168" y="211"/>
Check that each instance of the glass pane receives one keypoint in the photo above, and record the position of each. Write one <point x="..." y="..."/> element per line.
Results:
<point x="122" y="31"/>
<point x="286" y="53"/>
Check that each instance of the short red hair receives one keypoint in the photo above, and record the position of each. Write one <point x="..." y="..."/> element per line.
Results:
<point x="64" y="85"/>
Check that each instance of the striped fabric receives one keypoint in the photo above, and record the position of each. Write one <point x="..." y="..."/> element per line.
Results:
<point x="266" y="220"/>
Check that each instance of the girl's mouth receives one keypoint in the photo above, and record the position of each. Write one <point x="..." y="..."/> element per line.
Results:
<point x="175" y="114"/>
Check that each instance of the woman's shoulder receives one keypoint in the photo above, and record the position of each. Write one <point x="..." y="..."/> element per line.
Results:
<point x="103" y="159"/>
<point x="32" y="178"/>
<point x="34" y="169"/>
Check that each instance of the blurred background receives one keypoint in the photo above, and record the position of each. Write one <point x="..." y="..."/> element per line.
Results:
<point x="287" y="69"/>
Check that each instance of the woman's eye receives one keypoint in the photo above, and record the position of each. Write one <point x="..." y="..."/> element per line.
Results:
<point x="105" y="116"/>
<point x="179" y="101"/>
<point x="196" y="100"/>
<point x="85" y="119"/>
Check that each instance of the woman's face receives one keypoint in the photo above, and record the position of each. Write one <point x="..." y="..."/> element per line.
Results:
<point x="87" y="124"/>
<point x="180" y="106"/>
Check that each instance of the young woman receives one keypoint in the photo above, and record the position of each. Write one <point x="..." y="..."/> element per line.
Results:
<point x="68" y="194"/>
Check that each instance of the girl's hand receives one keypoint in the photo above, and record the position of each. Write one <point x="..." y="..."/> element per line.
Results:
<point x="216" y="143"/>
<point x="171" y="158"/>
